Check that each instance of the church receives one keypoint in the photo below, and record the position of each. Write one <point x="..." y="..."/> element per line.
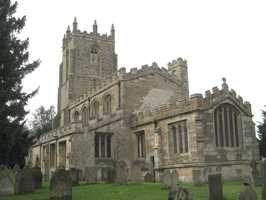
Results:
<point x="144" y="118"/>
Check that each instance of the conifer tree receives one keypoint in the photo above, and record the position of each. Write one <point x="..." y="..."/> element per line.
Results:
<point x="262" y="135"/>
<point x="14" y="66"/>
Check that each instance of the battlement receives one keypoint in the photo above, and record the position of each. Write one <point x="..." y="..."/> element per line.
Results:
<point x="145" y="70"/>
<point x="178" y="62"/>
<point x="196" y="101"/>
<point x="75" y="32"/>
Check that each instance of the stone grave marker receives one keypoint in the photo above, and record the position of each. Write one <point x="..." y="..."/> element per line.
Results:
<point x="136" y="174"/>
<point x="148" y="177"/>
<point x="255" y="173"/>
<point x="74" y="176"/>
<point x="179" y="193"/>
<point x="24" y="181"/>
<point x="248" y="192"/>
<point x="174" y="178"/>
<point x="167" y="179"/>
<point x="61" y="185"/>
<point x="16" y="168"/>
<point x="37" y="177"/>
<point x="121" y="173"/>
<point x="215" y="187"/>
<point x="90" y="174"/>
<point x="263" y="171"/>
<point x="6" y="183"/>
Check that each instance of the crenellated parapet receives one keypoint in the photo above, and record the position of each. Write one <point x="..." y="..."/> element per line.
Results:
<point x="178" y="62"/>
<point x="195" y="102"/>
<point x="75" y="32"/>
<point x="144" y="71"/>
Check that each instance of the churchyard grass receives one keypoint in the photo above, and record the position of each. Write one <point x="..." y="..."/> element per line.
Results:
<point x="146" y="191"/>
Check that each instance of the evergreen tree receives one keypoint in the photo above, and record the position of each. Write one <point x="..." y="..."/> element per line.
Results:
<point x="262" y="135"/>
<point x="14" y="66"/>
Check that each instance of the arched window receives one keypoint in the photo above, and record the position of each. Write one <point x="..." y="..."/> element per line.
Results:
<point x="95" y="109"/>
<point x="226" y="126"/>
<point x="107" y="104"/>
<point x="84" y="116"/>
<point x="94" y="55"/>
<point x="76" y="116"/>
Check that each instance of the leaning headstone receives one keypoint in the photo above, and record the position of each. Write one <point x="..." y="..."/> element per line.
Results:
<point x="215" y="187"/>
<point x="6" y="184"/>
<point x="24" y="181"/>
<point x="248" y="193"/>
<point x="90" y="174"/>
<point x="148" y="177"/>
<point x="263" y="170"/>
<point x="121" y="173"/>
<point x="37" y="177"/>
<point x="167" y="179"/>
<point x="136" y="174"/>
<point x="61" y="185"/>
<point x="74" y="176"/>
<point x="179" y="193"/>
<point x="255" y="173"/>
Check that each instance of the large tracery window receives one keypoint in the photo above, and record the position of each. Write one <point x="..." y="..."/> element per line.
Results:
<point x="107" y="104"/>
<point x="226" y="126"/>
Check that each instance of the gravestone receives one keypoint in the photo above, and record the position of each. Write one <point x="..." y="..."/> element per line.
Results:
<point x="16" y="169"/>
<point x="37" y="177"/>
<point x="255" y="173"/>
<point x="74" y="176"/>
<point x="148" y="177"/>
<point x="61" y="185"/>
<point x="6" y="184"/>
<point x="248" y="192"/>
<point x="90" y="174"/>
<point x="110" y="175"/>
<point x="215" y="187"/>
<point x="136" y="174"/>
<point x="174" y="178"/>
<point x="179" y="193"/>
<point x="24" y="181"/>
<point x="121" y="173"/>
<point x="167" y="179"/>
<point x="263" y="171"/>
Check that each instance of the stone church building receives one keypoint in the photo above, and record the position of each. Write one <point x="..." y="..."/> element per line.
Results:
<point x="145" y="118"/>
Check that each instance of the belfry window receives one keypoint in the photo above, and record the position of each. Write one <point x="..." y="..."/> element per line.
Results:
<point x="76" y="116"/>
<point x="141" y="144"/>
<point x="107" y="104"/>
<point x="102" y="145"/>
<point x="84" y="116"/>
<point x="94" y="109"/>
<point x="179" y="137"/>
<point x="94" y="55"/>
<point x="226" y="126"/>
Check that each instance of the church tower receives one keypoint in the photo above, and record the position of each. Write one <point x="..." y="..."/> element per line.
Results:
<point x="88" y="58"/>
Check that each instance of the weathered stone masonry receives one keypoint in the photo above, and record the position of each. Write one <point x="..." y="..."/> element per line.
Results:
<point x="144" y="118"/>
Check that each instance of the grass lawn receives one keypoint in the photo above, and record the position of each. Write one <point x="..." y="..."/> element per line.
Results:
<point x="146" y="191"/>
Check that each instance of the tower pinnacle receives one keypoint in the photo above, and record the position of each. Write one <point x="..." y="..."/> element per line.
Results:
<point x="75" y="25"/>
<point x="95" y="27"/>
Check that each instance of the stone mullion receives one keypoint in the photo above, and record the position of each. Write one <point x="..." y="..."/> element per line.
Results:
<point x="219" y="133"/>
<point x="223" y="127"/>
<point x="233" y="122"/>
<point x="231" y="142"/>
<point x="183" y="137"/>
<point x="236" y="129"/>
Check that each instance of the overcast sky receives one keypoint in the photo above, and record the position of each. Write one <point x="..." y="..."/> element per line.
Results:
<point x="225" y="38"/>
